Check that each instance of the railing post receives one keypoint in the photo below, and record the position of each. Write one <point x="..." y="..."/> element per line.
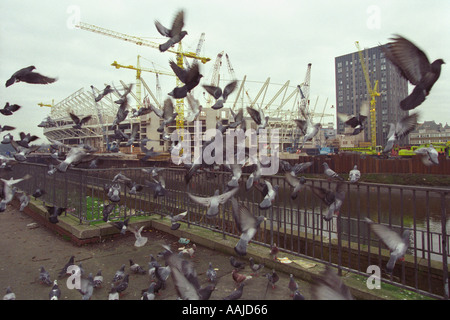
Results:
<point x="444" y="246"/>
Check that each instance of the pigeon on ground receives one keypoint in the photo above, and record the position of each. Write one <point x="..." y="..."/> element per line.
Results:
<point x="175" y="33"/>
<point x="332" y="199"/>
<point x="246" y="224"/>
<point x="190" y="77"/>
<point x="55" y="292"/>
<point x="27" y="75"/>
<point x="236" y="263"/>
<point x="297" y="184"/>
<point x="397" y="244"/>
<point x="98" y="279"/>
<point x="122" y="225"/>
<point x="213" y="202"/>
<point x="107" y="211"/>
<point x="256" y="267"/>
<point x="150" y="294"/>
<point x="140" y="240"/>
<point x="211" y="273"/>
<point x="107" y="90"/>
<point x="330" y="173"/>
<point x="78" y="122"/>
<point x="298" y="296"/>
<point x="292" y="285"/>
<point x="354" y="175"/>
<point x="274" y="251"/>
<point x="357" y="122"/>
<point x="9" y="109"/>
<point x="428" y="155"/>
<point x="237" y="293"/>
<point x="175" y="218"/>
<point x="63" y="271"/>
<point x="400" y="130"/>
<point x="239" y="278"/>
<point x="219" y="95"/>
<point x="54" y="213"/>
<point x="122" y="285"/>
<point x="113" y="294"/>
<point x="10" y="295"/>
<point x="194" y="108"/>
<point x="87" y="287"/>
<point x="158" y="187"/>
<point x="44" y="277"/>
<point x="414" y="66"/>
<point x="136" y="268"/>
<point x="329" y="286"/>
<point x="272" y="279"/>
<point x="119" y="275"/>
<point x="259" y="117"/>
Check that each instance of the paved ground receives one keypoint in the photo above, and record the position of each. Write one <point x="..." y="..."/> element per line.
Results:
<point x="24" y="250"/>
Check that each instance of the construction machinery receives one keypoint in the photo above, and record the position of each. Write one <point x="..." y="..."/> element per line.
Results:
<point x="373" y="92"/>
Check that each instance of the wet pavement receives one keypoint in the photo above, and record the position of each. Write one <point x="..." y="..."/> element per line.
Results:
<point x="26" y="246"/>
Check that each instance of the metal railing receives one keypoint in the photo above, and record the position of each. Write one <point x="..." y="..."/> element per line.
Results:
<point x="295" y="226"/>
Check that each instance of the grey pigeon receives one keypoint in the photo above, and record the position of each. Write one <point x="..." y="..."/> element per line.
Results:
<point x="194" y="108"/>
<point x="120" y="177"/>
<point x="38" y="193"/>
<point x="329" y="286"/>
<point x="87" y="287"/>
<point x="211" y="273"/>
<point x="122" y="285"/>
<point x="213" y="202"/>
<point x="44" y="277"/>
<point x="22" y="152"/>
<point x="136" y="268"/>
<point x="158" y="187"/>
<point x="308" y="129"/>
<point x="272" y="279"/>
<point x="150" y="293"/>
<point x="354" y="175"/>
<point x="63" y="271"/>
<point x="7" y="138"/>
<point x="10" y="295"/>
<point x="55" y="292"/>
<point x="397" y="244"/>
<point x="237" y="293"/>
<point x="357" y="122"/>
<point x="414" y="66"/>
<point x="259" y="117"/>
<point x="9" y="109"/>
<point x="54" y="212"/>
<point x="133" y="136"/>
<point x="236" y="263"/>
<point x="107" y="211"/>
<point x="24" y="200"/>
<point x="255" y="176"/>
<point x="330" y="173"/>
<point x="98" y="279"/>
<point x="219" y="95"/>
<point x="140" y="240"/>
<point x="27" y="75"/>
<point x="75" y="156"/>
<point x="190" y="77"/>
<point x="134" y="187"/>
<point x="7" y="191"/>
<point x="114" y="192"/>
<point x="297" y="184"/>
<point x="300" y="167"/>
<point x="149" y="153"/>
<point x="292" y="285"/>
<point x="256" y="267"/>
<point x="122" y="225"/>
<point x="175" y="218"/>
<point x="78" y="122"/>
<point x="113" y="294"/>
<point x="236" y="169"/>
<point x="168" y="115"/>
<point x="428" y="155"/>
<point x="175" y="33"/>
<point x="25" y="139"/>
<point x="269" y="193"/>
<point x="298" y="296"/>
<point x="246" y="224"/>
<point x="333" y="199"/>
<point x="107" y="90"/>
<point x="400" y="130"/>
<point x="119" y="275"/>
<point x="153" y="171"/>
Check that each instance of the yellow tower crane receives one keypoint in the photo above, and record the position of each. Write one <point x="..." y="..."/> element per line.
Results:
<point x="373" y="92"/>
<point x="143" y="42"/>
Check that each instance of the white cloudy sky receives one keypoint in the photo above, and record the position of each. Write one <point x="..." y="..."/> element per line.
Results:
<point x="275" y="39"/>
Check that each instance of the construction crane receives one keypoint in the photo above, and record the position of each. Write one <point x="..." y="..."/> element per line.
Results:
<point x="143" y="42"/>
<point x="373" y="92"/>
<point x="41" y="104"/>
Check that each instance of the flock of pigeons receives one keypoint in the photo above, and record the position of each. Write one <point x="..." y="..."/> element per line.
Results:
<point x="410" y="60"/>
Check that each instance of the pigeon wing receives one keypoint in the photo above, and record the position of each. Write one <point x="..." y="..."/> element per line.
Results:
<point x="389" y="237"/>
<point x="204" y="201"/>
<point x="254" y="114"/>
<point x="216" y="92"/>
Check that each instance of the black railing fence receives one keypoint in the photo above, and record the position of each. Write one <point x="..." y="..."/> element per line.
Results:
<point x="295" y="226"/>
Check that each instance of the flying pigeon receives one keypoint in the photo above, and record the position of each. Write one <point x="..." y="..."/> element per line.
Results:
<point x="400" y="130"/>
<point x="153" y="171"/>
<point x="354" y="175"/>
<point x="330" y="173"/>
<point x="79" y="121"/>
<point x="357" y="122"/>
<point x="9" y="109"/>
<point x="175" y="33"/>
<point x="237" y="293"/>
<point x="123" y="98"/>
<point x="119" y="275"/>
<point x="98" y="279"/>
<point x="149" y="153"/>
<point x="246" y="224"/>
<point x="38" y="193"/>
<point x="107" y="211"/>
<point x="133" y="136"/>
<point x="194" y="108"/>
<point x="122" y="225"/>
<point x="25" y="139"/>
<point x="22" y="152"/>
<point x="236" y="263"/>
<point x="7" y="138"/>
<point x="219" y="95"/>
<point x="254" y="177"/>
<point x="44" y="277"/>
<point x="140" y="240"/>
<point x="259" y="117"/>
<point x="136" y="268"/>
<point x="308" y="129"/>
<point x="269" y="193"/>
<point x="414" y="66"/>
<point x="238" y="119"/>
<point x="429" y="155"/>
<point x="211" y="273"/>
<point x="63" y="271"/>
<point x="105" y="92"/>
<point x="292" y="285"/>
<point x="297" y="184"/>
<point x="55" y="292"/>
<point x="113" y="192"/>
<point x="175" y="218"/>
<point x="87" y="287"/>
<point x="168" y="114"/>
<point x="332" y="199"/>
<point x="190" y="77"/>
<point x="329" y="286"/>
<point x="24" y="200"/>
<point x="397" y="244"/>
<point x="236" y="169"/>
<point x="256" y="267"/>
<point x="27" y="75"/>
<point x="134" y="187"/>
<point x="6" y="190"/>
<point x="54" y="213"/>
<point x="158" y="187"/>
<point x="75" y="156"/>
<point x="213" y="202"/>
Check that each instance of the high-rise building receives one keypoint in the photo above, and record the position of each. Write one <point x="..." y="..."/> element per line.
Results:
<point x="351" y="90"/>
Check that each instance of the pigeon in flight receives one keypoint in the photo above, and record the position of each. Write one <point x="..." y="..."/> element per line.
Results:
<point x="175" y="218"/>
<point x="269" y="193"/>
<point x="113" y="192"/>
<point x="297" y="184"/>
<point x="149" y="153"/>
<point x="330" y="173"/>
<point x="79" y="121"/>
<point x="246" y="224"/>
<point x="22" y="152"/>
<point x="140" y="240"/>
<point x="25" y="139"/>
<point x="27" y="75"/>
<point x="190" y="77"/>
<point x="75" y="156"/>
<point x="414" y="66"/>
<point x="429" y="155"/>
<point x="329" y="286"/>
<point x="194" y="108"/>
<point x="213" y="202"/>
<point x="220" y="96"/>
<point x="108" y="89"/>
<point x="158" y="187"/>
<point x="122" y="225"/>
<point x="397" y="244"/>
<point x="354" y="175"/>
<point x="357" y="122"/>
<point x="9" y="109"/>
<point x="400" y="130"/>
<point x="175" y="33"/>
<point x="308" y="129"/>
<point x="168" y="114"/>
<point x="7" y="191"/>
<point x="259" y="117"/>
<point x="24" y="200"/>
<point x="332" y="199"/>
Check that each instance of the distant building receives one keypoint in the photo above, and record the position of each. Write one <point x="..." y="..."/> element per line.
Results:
<point x="351" y="90"/>
<point x="430" y="132"/>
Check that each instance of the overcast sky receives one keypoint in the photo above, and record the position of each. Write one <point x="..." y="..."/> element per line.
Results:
<point x="275" y="39"/>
